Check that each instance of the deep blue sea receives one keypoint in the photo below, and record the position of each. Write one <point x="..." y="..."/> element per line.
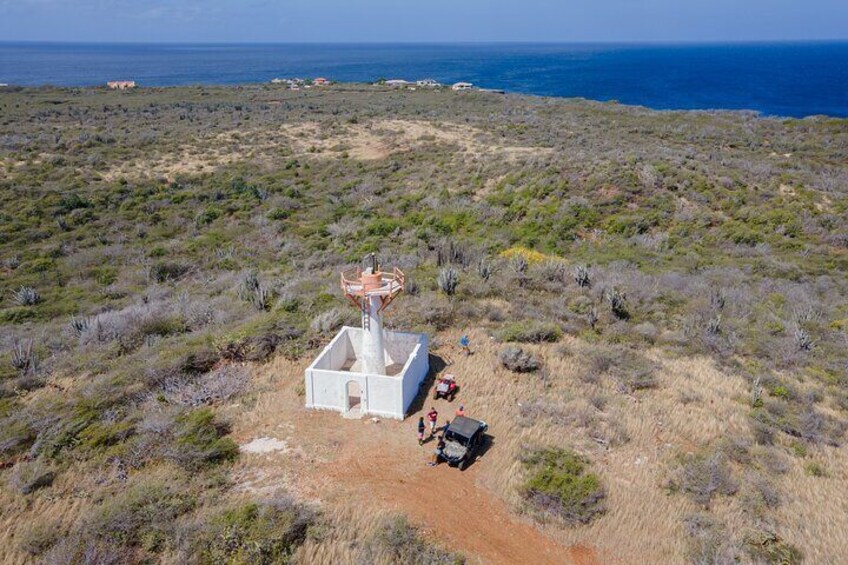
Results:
<point x="784" y="79"/>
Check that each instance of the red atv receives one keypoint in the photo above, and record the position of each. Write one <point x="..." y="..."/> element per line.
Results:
<point x="446" y="388"/>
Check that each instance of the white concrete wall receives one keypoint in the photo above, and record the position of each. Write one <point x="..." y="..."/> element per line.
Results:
<point x="399" y="346"/>
<point x="385" y="396"/>
<point x="326" y="389"/>
<point x="334" y="355"/>
<point x="415" y="371"/>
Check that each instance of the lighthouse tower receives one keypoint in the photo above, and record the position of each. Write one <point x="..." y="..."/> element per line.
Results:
<point x="372" y="290"/>
<point x="368" y="370"/>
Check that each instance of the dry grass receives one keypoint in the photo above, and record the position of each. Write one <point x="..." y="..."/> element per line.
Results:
<point x="656" y="422"/>
<point x="632" y="441"/>
<point x="60" y="507"/>
<point x="812" y="512"/>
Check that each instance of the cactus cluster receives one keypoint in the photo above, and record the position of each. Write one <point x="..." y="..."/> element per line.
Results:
<point x="26" y="296"/>
<point x="448" y="280"/>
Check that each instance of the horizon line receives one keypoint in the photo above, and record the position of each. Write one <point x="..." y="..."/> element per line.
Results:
<point x="436" y="42"/>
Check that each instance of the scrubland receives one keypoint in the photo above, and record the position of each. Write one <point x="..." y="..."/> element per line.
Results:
<point x="657" y="303"/>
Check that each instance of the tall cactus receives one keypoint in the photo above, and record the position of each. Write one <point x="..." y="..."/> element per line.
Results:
<point x="448" y="280"/>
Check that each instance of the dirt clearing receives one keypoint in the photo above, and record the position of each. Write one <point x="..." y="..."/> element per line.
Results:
<point x="370" y="141"/>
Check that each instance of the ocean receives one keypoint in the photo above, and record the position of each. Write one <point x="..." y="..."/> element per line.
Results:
<point x="779" y="79"/>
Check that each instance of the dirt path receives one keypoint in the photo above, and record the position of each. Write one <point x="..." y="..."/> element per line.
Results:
<point x="450" y="504"/>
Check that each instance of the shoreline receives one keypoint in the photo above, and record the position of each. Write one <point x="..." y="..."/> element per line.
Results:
<point x="364" y="86"/>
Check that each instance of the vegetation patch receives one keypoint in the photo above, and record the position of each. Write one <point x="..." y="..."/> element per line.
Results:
<point x="517" y="360"/>
<point x="530" y="332"/>
<point x="263" y="533"/>
<point x="768" y="547"/>
<point x="199" y="440"/>
<point x="560" y="484"/>
<point x="142" y="514"/>
<point x="704" y="476"/>
<point x="403" y="543"/>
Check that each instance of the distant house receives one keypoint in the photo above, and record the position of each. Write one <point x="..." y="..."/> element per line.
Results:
<point x="121" y="84"/>
<point x="293" y="83"/>
<point x="396" y="82"/>
<point x="320" y="81"/>
<point x="428" y="83"/>
<point x="462" y="86"/>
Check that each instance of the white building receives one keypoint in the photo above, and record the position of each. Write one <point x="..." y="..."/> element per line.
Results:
<point x="338" y="381"/>
<point x="462" y="86"/>
<point x="369" y="371"/>
<point x="428" y="83"/>
<point x="121" y="84"/>
<point x="396" y="82"/>
<point x="289" y="82"/>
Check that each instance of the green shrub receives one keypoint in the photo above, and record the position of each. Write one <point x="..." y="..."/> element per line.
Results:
<point x="780" y="391"/>
<point x="199" y="441"/>
<point x="560" y="484"/>
<point x="162" y="326"/>
<point x="208" y="216"/>
<point x="279" y="214"/>
<point x="383" y="226"/>
<point x="158" y="251"/>
<point x="255" y="534"/>
<point x="815" y="469"/>
<point x="768" y="547"/>
<point x="105" y="275"/>
<point x="17" y="315"/>
<point x="101" y="434"/>
<point x="15" y="436"/>
<point x="167" y="271"/>
<point x="530" y="332"/>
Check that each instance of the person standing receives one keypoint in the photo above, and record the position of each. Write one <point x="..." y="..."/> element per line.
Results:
<point x="439" y="453"/>
<point x="421" y="428"/>
<point x="461" y="410"/>
<point x="465" y="343"/>
<point x="432" y="417"/>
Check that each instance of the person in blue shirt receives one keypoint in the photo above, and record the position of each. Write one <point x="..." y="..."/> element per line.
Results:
<point x="464" y="342"/>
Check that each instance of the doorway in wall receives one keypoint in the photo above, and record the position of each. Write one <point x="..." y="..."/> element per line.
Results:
<point x="354" y="397"/>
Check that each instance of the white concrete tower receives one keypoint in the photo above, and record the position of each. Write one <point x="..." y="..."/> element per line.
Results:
<point x="371" y="291"/>
<point x="373" y="354"/>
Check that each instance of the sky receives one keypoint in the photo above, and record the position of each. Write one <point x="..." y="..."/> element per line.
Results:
<point x="421" y="20"/>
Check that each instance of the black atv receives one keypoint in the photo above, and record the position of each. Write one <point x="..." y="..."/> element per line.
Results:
<point x="463" y="438"/>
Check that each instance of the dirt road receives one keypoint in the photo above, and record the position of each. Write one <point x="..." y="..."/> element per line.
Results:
<point x="448" y="503"/>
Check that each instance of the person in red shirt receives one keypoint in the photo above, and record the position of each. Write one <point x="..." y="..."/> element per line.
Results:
<point x="461" y="410"/>
<point x="432" y="417"/>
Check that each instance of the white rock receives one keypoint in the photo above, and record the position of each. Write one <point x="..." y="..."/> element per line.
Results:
<point x="264" y="445"/>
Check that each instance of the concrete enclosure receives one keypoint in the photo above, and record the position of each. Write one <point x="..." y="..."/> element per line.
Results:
<point x="336" y="379"/>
